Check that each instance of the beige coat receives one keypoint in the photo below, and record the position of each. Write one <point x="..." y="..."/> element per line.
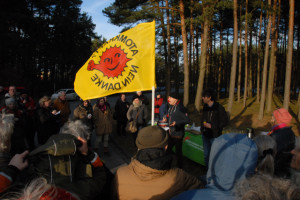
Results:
<point x="80" y="113"/>
<point x="102" y="121"/>
<point x="138" y="181"/>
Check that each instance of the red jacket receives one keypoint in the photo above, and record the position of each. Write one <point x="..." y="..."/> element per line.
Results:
<point x="157" y="104"/>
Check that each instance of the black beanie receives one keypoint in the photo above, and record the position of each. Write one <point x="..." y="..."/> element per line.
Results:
<point x="174" y="95"/>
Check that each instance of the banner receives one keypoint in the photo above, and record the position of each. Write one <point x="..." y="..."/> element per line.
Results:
<point x="125" y="63"/>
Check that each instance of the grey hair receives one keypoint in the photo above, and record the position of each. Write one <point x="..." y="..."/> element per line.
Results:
<point x="261" y="186"/>
<point x="6" y="130"/>
<point x="265" y="162"/>
<point x="35" y="190"/>
<point x="61" y="93"/>
<point x="32" y="191"/>
<point x="76" y="128"/>
<point x="43" y="100"/>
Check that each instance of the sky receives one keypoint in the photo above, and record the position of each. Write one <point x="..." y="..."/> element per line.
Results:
<point x="94" y="9"/>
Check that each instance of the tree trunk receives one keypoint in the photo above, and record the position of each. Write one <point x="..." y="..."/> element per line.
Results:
<point x="220" y="59"/>
<point x="191" y="64"/>
<point x="266" y="58"/>
<point x="202" y="65"/>
<point x="246" y="56"/>
<point x="289" y="57"/>
<point x="240" y="62"/>
<point x="168" y="69"/>
<point x="176" y="67"/>
<point x="258" y="60"/>
<point x="234" y="58"/>
<point x="272" y="61"/>
<point x="250" y="88"/>
<point x="298" y="113"/>
<point x="185" y="55"/>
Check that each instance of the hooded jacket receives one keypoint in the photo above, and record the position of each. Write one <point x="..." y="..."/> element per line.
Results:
<point x="138" y="181"/>
<point x="232" y="158"/>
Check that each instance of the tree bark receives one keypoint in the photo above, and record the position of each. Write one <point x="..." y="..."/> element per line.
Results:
<point x="240" y="62"/>
<point x="202" y="65"/>
<point x="289" y="57"/>
<point x="220" y="59"/>
<point x="266" y="58"/>
<point x="169" y="67"/>
<point x="234" y="58"/>
<point x="258" y="59"/>
<point x="272" y="61"/>
<point x="246" y="56"/>
<point x="185" y="55"/>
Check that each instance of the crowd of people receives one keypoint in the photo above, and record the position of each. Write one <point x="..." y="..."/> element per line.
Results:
<point x="46" y="154"/>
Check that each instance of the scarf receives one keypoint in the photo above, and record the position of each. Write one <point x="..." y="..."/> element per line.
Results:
<point x="155" y="158"/>
<point x="102" y="107"/>
<point x="277" y="127"/>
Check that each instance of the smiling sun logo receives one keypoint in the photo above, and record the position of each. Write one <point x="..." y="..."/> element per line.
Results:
<point x="112" y="62"/>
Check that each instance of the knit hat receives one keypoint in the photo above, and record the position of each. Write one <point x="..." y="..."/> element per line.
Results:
<point x="282" y="116"/>
<point x="151" y="137"/>
<point x="9" y="101"/>
<point x="135" y="96"/>
<point x="174" y="95"/>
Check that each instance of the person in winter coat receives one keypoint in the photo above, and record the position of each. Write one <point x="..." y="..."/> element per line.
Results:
<point x="263" y="185"/>
<point x="66" y="161"/>
<point x="62" y="105"/>
<point x="120" y="114"/>
<point x="214" y="119"/>
<point x="285" y="139"/>
<point x="27" y="105"/>
<point x="6" y="131"/>
<point x="142" y="97"/>
<point x="176" y="118"/>
<point x="232" y="158"/>
<point x="84" y="112"/>
<point x="21" y="127"/>
<point x="158" y="101"/>
<point x="149" y="175"/>
<point x="103" y="123"/>
<point x="138" y="112"/>
<point x="2" y="97"/>
<point x="9" y="172"/>
<point x="47" y="120"/>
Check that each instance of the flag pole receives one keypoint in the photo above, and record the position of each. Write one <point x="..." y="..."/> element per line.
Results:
<point x="152" y="110"/>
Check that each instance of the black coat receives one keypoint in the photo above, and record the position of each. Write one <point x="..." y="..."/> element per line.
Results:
<point x="285" y="140"/>
<point x="217" y="117"/>
<point x="177" y="113"/>
<point x="121" y="109"/>
<point x="47" y="124"/>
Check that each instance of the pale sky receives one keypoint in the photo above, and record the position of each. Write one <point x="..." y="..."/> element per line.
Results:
<point x="94" y="9"/>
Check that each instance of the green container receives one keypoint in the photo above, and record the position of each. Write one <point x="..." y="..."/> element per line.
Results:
<point x="192" y="147"/>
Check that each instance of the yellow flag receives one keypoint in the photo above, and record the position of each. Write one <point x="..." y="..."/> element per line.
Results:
<point x="125" y="63"/>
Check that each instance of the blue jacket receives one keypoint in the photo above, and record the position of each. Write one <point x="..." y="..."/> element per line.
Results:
<point x="232" y="157"/>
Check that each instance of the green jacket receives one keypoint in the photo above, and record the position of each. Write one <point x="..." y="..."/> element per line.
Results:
<point x="61" y="164"/>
